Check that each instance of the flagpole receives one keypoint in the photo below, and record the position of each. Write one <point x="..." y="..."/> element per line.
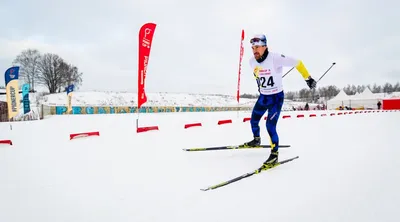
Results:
<point x="241" y="52"/>
<point x="9" y="121"/>
<point x="146" y="33"/>
<point x="137" y="110"/>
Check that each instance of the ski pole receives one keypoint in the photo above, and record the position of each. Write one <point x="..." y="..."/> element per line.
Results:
<point x="326" y="72"/>
<point x="287" y="72"/>
<point x="313" y="90"/>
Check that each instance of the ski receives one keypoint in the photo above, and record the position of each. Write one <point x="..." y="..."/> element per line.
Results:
<point x="247" y="175"/>
<point x="234" y="147"/>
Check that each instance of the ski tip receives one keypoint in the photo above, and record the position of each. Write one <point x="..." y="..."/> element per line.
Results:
<point x="293" y="158"/>
<point x="194" y="149"/>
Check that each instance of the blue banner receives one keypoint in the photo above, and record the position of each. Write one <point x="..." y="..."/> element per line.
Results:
<point x="25" y="98"/>
<point x="69" y="90"/>
<point x="11" y="74"/>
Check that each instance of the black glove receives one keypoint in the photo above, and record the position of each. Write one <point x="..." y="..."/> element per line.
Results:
<point x="311" y="82"/>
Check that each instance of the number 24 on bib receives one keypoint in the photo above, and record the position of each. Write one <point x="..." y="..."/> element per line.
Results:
<point x="265" y="82"/>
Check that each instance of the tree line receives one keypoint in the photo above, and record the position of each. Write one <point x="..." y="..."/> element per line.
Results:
<point x="328" y="92"/>
<point x="48" y="70"/>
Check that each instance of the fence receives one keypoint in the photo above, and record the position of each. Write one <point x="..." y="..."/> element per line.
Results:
<point x="62" y="110"/>
<point x="34" y="114"/>
<point x="3" y="111"/>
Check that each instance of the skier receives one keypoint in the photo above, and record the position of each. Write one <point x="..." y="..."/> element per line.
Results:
<point x="267" y="68"/>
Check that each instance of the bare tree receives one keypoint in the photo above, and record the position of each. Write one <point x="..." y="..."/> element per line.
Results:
<point x="361" y="88"/>
<point x="328" y="92"/>
<point x="29" y="62"/>
<point x="71" y="76"/>
<point x="290" y="95"/>
<point x="305" y="93"/>
<point x="388" y="88"/>
<point x="56" y="74"/>
<point x="353" y="89"/>
<point x="333" y="91"/>
<point x="396" y="88"/>
<point x="350" y="89"/>
<point x="51" y="74"/>
<point x="376" y="88"/>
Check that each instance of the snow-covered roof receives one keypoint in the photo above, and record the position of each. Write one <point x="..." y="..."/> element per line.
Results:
<point x="340" y="96"/>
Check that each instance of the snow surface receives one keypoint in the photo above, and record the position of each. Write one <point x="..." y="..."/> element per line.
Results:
<point x="348" y="170"/>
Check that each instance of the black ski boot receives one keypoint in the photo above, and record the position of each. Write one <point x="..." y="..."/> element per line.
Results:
<point x="270" y="162"/>
<point x="273" y="158"/>
<point x="254" y="143"/>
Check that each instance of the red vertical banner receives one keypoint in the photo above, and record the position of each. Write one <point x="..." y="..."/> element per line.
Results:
<point x="145" y="39"/>
<point x="240" y="66"/>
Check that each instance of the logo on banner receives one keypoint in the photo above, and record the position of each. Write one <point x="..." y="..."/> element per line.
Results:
<point x="146" y="42"/>
<point x="12" y="76"/>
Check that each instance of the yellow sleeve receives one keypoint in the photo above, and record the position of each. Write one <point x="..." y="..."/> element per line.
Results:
<point x="302" y="69"/>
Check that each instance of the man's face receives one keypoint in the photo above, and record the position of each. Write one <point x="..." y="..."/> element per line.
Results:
<point x="258" y="51"/>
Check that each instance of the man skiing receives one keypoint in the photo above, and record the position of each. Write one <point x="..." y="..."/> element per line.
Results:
<point x="267" y="68"/>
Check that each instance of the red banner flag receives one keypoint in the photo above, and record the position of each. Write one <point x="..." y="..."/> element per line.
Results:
<point x="240" y="65"/>
<point x="145" y="39"/>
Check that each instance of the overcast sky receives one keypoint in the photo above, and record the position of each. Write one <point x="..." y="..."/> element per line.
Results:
<point x="196" y="43"/>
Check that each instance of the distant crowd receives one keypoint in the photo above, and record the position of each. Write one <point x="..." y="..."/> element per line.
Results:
<point x="378" y="105"/>
<point x="307" y="107"/>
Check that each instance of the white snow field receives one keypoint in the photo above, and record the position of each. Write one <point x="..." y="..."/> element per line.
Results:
<point x="111" y="98"/>
<point x="348" y="170"/>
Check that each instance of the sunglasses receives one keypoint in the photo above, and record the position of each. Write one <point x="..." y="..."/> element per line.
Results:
<point x="253" y="40"/>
